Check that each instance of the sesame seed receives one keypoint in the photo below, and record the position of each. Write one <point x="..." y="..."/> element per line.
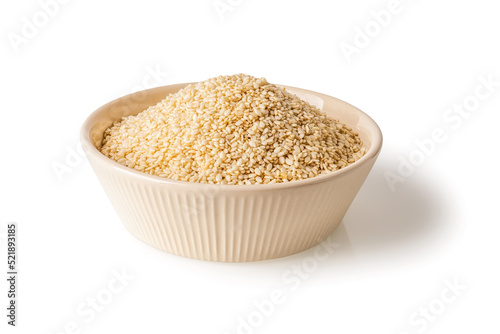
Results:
<point x="232" y="130"/>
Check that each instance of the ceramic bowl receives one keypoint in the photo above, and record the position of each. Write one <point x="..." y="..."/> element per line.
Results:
<point x="231" y="223"/>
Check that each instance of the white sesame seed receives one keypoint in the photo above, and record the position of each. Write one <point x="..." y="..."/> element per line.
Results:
<point x="232" y="130"/>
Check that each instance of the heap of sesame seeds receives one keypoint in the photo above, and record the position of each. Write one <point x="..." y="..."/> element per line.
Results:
<point x="232" y="130"/>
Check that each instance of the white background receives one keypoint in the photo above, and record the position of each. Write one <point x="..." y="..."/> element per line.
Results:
<point x="397" y="249"/>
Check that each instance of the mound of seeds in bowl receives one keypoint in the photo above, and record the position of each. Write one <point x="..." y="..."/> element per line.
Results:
<point x="232" y="130"/>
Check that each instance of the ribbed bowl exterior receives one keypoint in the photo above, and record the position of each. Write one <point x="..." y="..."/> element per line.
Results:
<point x="223" y="223"/>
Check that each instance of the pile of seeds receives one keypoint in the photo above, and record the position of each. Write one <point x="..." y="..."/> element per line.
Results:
<point x="232" y="130"/>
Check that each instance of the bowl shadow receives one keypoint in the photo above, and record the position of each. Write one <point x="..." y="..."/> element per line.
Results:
<point x="381" y="218"/>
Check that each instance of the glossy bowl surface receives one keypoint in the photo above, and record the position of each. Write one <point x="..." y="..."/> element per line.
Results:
<point x="230" y="223"/>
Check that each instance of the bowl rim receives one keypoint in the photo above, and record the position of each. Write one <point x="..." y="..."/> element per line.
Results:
<point x="372" y="152"/>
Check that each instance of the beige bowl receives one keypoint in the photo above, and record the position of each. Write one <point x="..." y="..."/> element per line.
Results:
<point x="230" y="223"/>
